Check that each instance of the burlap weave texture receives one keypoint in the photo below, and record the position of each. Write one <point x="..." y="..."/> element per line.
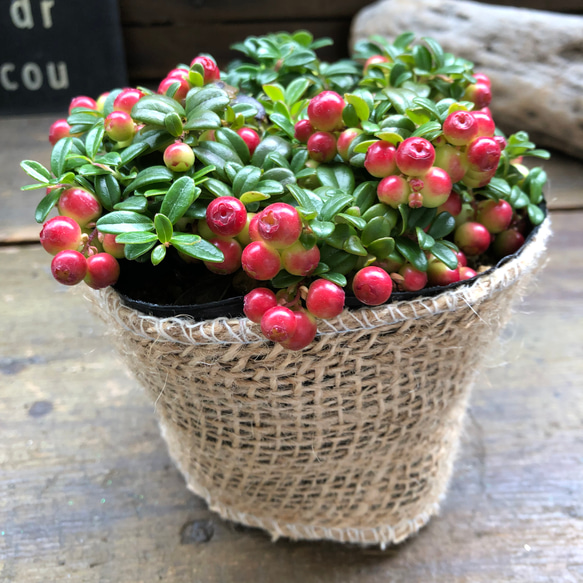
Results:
<point x="352" y="439"/>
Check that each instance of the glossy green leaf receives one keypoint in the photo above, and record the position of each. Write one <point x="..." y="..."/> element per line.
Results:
<point x="322" y="229"/>
<point x="108" y="191"/>
<point x="382" y="248"/>
<point x="378" y="227"/>
<point x="36" y="171"/>
<point x="59" y="155"/>
<point x="445" y="254"/>
<point x="337" y="176"/>
<point x="205" y="120"/>
<point x="296" y="89"/>
<point x="133" y="252"/>
<point x="163" y="227"/>
<point x="195" y="246"/>
<point x="336" y="278"/>
<point x="46" y="204"/>
<point x="158" y="254"/>
<point x="138" y="204"/>
<point x="209" y="98"/>
<point x="132" y="152"/>
<point x="178" y="199"/>
<point x="124" y="222"/>
<point x="411" y="251"/>
<point x="151" y="175"/>
<point x="535" y="214"/>
<point x="94" y="140"/>
<point x="425" y="241"/>
<point x="173" y="123"/>
<point x="136" y="238"/>
<point x="246" y="180"/>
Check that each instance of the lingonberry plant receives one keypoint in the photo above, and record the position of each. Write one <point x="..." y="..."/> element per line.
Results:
<point x="297" y="181"/>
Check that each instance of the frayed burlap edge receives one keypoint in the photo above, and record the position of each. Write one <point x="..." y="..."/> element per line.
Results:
<point x="232" y="334"/>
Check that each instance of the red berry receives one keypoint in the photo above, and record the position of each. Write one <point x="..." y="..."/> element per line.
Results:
<point x="501" y="140"/>
<point x="232" y="252"/>
<point x="280" y="225"/>
<point x="507" y="243"/>
<point x="102" y="270"/>
<point x="496" y="216"/>
<point x="413" y="279"/>
<point x="415" y="156"/>
<point x="462" y="260"/>
<point x="59" y="129"/>
<point x="438" y="273"/>
<point x="460" y="128"/>
<point x="298" y="260"/>
<point x="486" y="125"/>
<point x="453" y="204"/>
<point x="372" y="285"/>
<point x="257" y="302"/>
<point x="181" y="91"/>
<point x="211" y="71"/>
<point x="179" y="157"/>
<point x="260" y="261"/>
<point x="303" y="130"/>
<point x="278" y="324"/>
<point x="380" y="159"/>
<point x="483" y="154"/>
<point x="345" y="139"/>
<point x="436" y="187"/>
<point x="119" y="126"/>
<point x="226" y="216"/>
<point x="393" y="191"/>
<point x="177" y="74"/>
<point x="80" y="205"/>
<point x="472" y="238"/>
<point x="60" y="233"/>
<point x="325" y="299"/>
<point x="126" y="100"/>
<point x="305" y="333"/>
<point x="481" y="78"/>
<point x="466" y="273"/>
<point x="322" y="146"/>
<point x="82" y="101"/>
<point x="479" y="93"/>
<point x="69" y="267"/>
<point x="250" y="137"/>
<point x="325" y="111"/>
<point x="375" y="60"/>
<point x="253" y="232"/>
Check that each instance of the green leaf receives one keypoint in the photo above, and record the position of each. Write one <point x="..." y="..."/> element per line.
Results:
<point x="173" y="123"/>
<point x="132" y="152"/>
<point x="158" y="254"/>
<point x="138" y="204"/>
<point x="216" y="154"/>
<point x="412" y="253"/>
<point x="253" y="196"/>
<point x="359" y="104"/>
<point x="334" y="205"/>
<point x="132" y="252"/>
<point x="267" y="146"/>
<point x="382" y="248"/>
<point x="429" y="130"/>
<point x="246" y="180"/>
<point x="195" y="246"/>
<point x="274" y="91"/>
<point x="422" y="58"/>
<point x="337" y="176"/>
<point x="442" y="226"/>
<point x="435" y="50"/>
<point x="124" y="222"/>
<point x="535" y="214"/>
<point x="46" y="204"/>
<point x="206" y="120"/>
<point x="283" y="123"/>
<point x="281" y="175"/>
<point x="59" y="155"/>
<point x="322" y="229"/>
<point x="151" y="175"/>
<point x="284" y="279"/>
<point x="350" y="117"/>
<point x="209" y="98"/>
<point x="154" y="108"/>
<point x="336" y="278"/>
<point x="36" y="171"/>
<point x="378" y="227"/>
<point x="363" y="147"/>
<point x="425" y="241"/>
<point x="300" y="58"/>
<point x="178" y="199"/>
<point x="445" y="254"/>
<point x="354" y="246"/>
<point x="136" y="238"/>
<point x="107" y="191"/>
<point x="94" y="139"/>
<point x="357" y="222"/>
<point x="302" y="198"/>
<point x="365" y="195"/>
<point x="296" y="89"/>
<point x="233" y="140"/>
<point x="217" y="188"/>
<point x="163" y="227"/>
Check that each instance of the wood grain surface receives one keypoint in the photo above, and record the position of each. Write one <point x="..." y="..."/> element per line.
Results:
<point x="88" y="493"/>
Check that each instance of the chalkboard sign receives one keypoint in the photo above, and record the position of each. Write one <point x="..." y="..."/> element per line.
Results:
<point x="53" y="50"/>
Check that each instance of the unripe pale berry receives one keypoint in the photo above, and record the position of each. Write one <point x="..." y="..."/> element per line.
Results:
<point x="472" y="238"/>
<point x="179" y="157"/>
<point x="479" y="93"/>
<point x="436" y="187"/>
<point x="250" y="137"/>
<point x="380" y="159"/>
<point x="59" y="129"/>
<point x="453" y="204"/>
<point x="59" y="234"/>
<point x="119" y="126"/>
<point x="102" y="271"/>
<point x="415" y="156"/>
<point x="325" y="111"/>
<point x="110" y="245"/>
<point x="226" y="216"/>
<point x="393" y="191"/>
<point x="305" y="332"/>
<point x="69" y="267"/>
<point x="325" y="299"/>
<point x="278" y="324"/>
<point x="260" y="261"/>
<point x="101" y="101"/>
<point x="80" y="205"/>
<point x="372" y="286"/>
<point x="438" y="273"/>
<point x="322" y="146"/>
<point x="279" y="224"/>
<point x="211" y="71"/>
<point x="257" y="302"/>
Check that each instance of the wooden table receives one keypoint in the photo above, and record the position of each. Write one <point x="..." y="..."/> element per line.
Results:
<point x="89" y="494"/>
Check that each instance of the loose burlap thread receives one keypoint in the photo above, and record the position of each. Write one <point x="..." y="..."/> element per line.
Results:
<point x="352" y="439"/>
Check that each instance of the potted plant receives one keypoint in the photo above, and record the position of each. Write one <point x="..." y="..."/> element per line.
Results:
<point x="303" y="263"/>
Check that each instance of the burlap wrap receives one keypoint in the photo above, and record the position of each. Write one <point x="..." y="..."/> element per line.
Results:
<point x="352" y="439"/>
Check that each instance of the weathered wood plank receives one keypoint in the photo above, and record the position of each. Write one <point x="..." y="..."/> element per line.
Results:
<point x="88" y="493"/>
